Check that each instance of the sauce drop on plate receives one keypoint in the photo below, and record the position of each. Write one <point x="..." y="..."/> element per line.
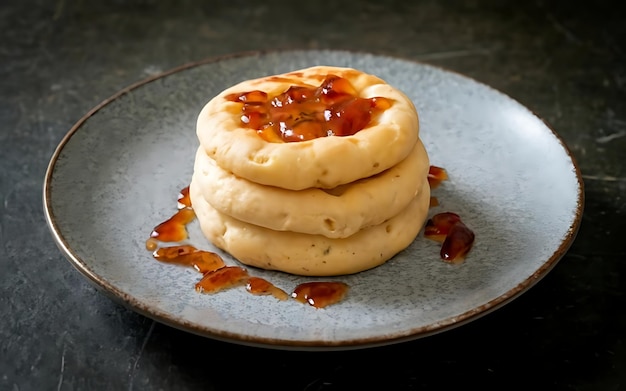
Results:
<point x="457" y="238"/>
<point x="320" y="294"/>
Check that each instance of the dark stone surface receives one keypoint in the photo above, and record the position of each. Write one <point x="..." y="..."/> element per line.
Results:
<point x="564" y="60"/>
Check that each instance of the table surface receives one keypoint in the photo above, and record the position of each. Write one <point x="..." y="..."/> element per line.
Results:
<point x="563" y="60"/>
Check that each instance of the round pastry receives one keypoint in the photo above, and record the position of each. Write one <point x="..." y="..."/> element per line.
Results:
<point x="316" y="172"/>
<point x="225" y="134"/>
<point x="334" y="213"/>
<point x="312" y="255"/>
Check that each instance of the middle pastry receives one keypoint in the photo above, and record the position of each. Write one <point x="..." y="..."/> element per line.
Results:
<point x="335" y="213"/>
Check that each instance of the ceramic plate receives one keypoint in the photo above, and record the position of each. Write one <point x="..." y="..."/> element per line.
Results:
<point x="118" y="171"/>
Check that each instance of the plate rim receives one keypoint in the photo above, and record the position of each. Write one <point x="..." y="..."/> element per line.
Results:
<point x="155" y="314"/>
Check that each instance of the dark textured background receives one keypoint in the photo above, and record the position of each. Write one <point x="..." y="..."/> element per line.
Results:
<point x="564" y="60"/>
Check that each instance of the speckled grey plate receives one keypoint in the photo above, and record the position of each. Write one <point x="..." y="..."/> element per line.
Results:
<point x="117" y="173"/>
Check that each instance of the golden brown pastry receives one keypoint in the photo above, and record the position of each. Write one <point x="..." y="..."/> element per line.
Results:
<point x="324" y="162"/>
<point x="315" y="172"/>
<point x="312" y="255"/>
<point x="334" y="213"/>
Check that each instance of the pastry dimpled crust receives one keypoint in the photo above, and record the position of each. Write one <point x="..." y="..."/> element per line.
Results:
<point x="334" y="213"/>
<point x="312" y="255"/>
<point x="324" y="162"/>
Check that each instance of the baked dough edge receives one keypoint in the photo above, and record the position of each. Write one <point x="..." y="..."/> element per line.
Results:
<point x="335" y="213"/>
<point x="324" y="162"/>
<point x="312" y="255"/>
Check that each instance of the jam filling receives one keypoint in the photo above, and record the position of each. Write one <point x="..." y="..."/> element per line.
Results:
<point x="305" y="113"/>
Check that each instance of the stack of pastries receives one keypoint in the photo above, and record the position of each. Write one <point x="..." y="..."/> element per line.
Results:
<point x="316" y="172"/>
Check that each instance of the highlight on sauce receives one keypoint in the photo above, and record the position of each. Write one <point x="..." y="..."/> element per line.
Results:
<point x="305" y="113"/>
